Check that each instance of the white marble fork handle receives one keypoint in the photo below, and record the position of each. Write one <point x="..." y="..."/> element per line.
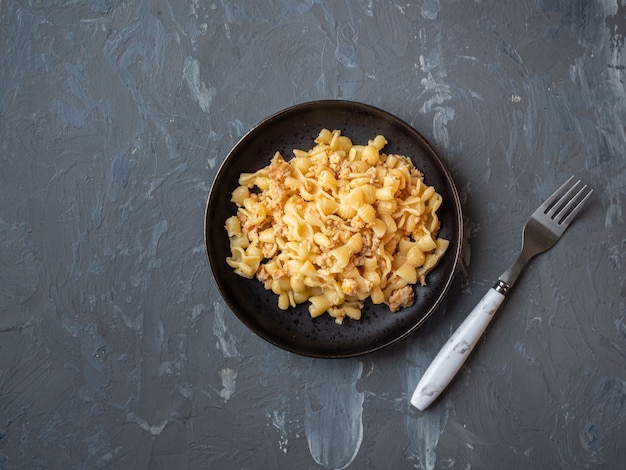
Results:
<point x="454" y="353"/>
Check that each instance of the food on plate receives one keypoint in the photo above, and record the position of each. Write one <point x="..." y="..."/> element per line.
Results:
<point x="336" y="225"/>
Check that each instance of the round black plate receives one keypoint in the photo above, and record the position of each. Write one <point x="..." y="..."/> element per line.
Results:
<point x="294" y="330"/>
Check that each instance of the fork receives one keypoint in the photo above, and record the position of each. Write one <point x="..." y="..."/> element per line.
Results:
<point x="541" y="232"/>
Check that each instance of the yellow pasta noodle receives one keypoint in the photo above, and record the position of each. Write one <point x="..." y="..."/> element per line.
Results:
<point x="336" y="225"/>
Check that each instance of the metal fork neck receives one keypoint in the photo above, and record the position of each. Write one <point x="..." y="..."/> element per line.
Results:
<point x="508" y="278"/>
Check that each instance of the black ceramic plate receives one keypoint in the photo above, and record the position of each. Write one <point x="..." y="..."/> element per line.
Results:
<point x="294" y="330"/>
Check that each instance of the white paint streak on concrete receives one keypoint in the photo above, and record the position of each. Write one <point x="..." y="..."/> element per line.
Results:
<point x="154" y="429"/>
<point x="225" y="341"/>
<point x="430" y="9"/>
<point x="333" y="418"/>
<point x="229" y="377"/>
<point x="279" y="421"/>
<point x="197" y="88"/>
<point x="437" y="93"/>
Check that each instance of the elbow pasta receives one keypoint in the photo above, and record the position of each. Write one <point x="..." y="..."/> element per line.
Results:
<point x="335" y="225"/>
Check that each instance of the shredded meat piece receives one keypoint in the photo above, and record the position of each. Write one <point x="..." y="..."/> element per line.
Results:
<point x="357" y="222"/>
<point x="263" y="276"/>
<point x="245" y="222"/>
<point x="416" y="173"/>
<point x="350" y="286"/>
<point x="339" y="164"/>
<point x="371" y="243"/>
<point x="253" y="235"/>
<point x="278" y="171"/>
<point x="325" y="261"/>
<point x="280" y="229"/>
<point x="335" y="159"/>
<point x="403" y="297"/>
<point x="269" y="249"/>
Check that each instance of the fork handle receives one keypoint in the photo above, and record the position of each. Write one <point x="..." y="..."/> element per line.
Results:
<point x="453" y="354"/>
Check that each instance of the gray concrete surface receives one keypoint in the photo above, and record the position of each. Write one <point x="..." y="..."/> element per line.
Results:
<point x="116" y="350"/>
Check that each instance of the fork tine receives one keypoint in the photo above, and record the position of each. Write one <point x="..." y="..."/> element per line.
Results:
<point x="565" y="201"/>
<point x="549" y="203"/>
<point x="562" y="208"/>
<point x="573" y="212"/>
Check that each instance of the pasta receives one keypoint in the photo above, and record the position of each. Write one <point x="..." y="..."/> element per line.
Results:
<point x="336" y="225"/>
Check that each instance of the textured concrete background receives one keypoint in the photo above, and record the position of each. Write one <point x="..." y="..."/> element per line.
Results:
<point x="116" y="351"/>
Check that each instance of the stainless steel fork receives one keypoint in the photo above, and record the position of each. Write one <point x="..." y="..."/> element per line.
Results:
<point x="541" y="232"/>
